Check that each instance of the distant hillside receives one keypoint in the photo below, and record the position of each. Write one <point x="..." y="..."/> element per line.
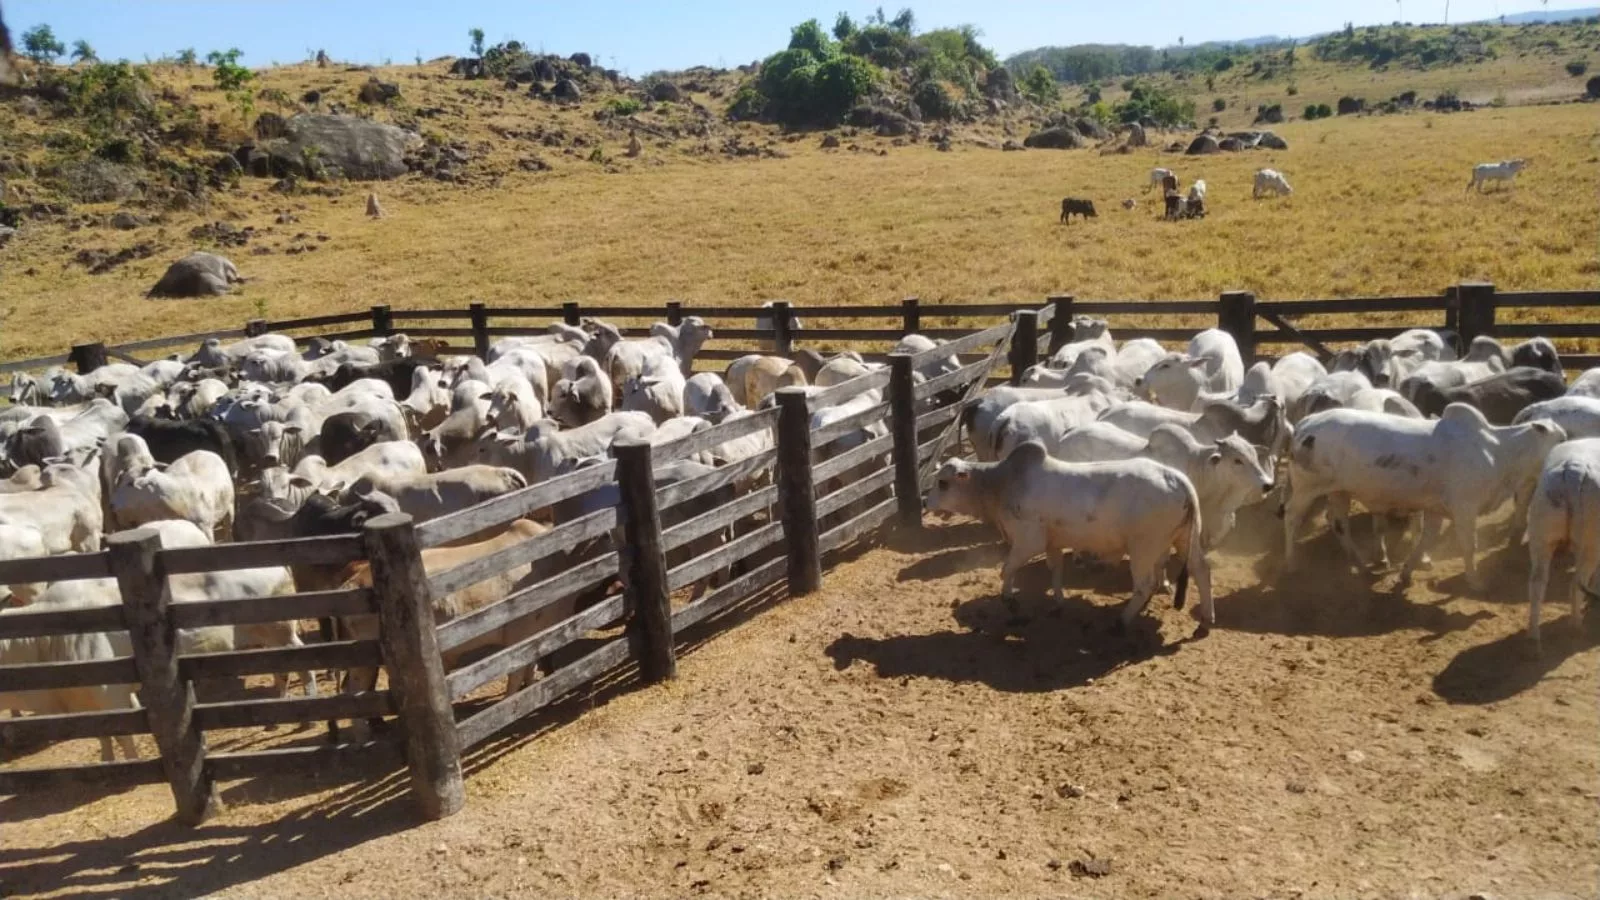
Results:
<point x="1549" y="15"/>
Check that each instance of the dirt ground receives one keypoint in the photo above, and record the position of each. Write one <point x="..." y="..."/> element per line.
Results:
<point x="902" y="733"/>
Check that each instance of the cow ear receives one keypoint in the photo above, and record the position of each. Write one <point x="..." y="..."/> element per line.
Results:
<point x="963" y="474"/>
<point x="1195" y="362"/>
<point x="292" y="429"/>
<point x="1214" y="459"/>
<point x="300" y="481"/>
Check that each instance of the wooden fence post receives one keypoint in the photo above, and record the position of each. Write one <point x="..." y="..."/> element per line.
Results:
<point x="480" y="328"/>
<point x="255" y="328"/>
<point x="910" y="316"/>
<point x="644" y="563"/>
<point x="1477" y="310"/>
<point x="1024" y="351"/>
<point x="570" y="313"/>
<point x="1238" y="318"/>
<point x="1060" y="322"/>
<point x="1452" y="310"/>
<point x="167" y="698"/>
<point x="782" y="328"/>
<point x="674" y="312"/>
<point x="416" y="670"/>
<point x="797" y="492"/>
<point x="382" y="321"/>
<point x="903" y="425"/>
<point x="87" y="357"/>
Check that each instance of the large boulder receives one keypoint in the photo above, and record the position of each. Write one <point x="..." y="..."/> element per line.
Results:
<point x="1272" y="141"/>
<point x="1136" y="136"/>
<point x="1230" y="145"/>
<point x="1349" y="106"/>
<point x="666" y="92"/>
<point x="270" y="125"/>
<point x="1058" y="138"/>
<point x="325" y="146"/>
<point x="1089" y="128"/>
<point x="1202" y="145"/>
<point x="999" y="84"/>
<point x="567" y="91"/>
<point x="883" y="121"/>
<point x="544" y="69"/>
<point x="582" y="59"/>
<point x="197" y="275"/>
<point x="378" y="92"/>
<point x="469" y="67"/>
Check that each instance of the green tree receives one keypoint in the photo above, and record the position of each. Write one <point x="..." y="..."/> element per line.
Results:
<point x="841" y="83"/>
<point x="1040" y="86"/>
<point x="187" y="57"/>
<point x="40" y="44"/>
<point x="843" y="27"/>
<point x="82" y="52"/>
<point x="477" y="41"/>
<point x="809" y="36"/>
<point x="904" y="21"/>
<point x="232" y="79"/>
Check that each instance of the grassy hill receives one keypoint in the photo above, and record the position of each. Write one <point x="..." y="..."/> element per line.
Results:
<point x="519" y="199"/>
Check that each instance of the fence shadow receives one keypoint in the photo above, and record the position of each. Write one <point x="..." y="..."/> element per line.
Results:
<point x="1502" y="669"/>
<point x="168" y="859"/>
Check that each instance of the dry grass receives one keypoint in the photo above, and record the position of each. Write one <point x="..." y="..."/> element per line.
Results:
<point x="1379" y="209"/>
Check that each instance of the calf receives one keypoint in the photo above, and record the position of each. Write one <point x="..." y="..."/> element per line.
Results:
<point x="1504" y="172"/>
<point x="1135" y="507"/>
<point x="1071" y="206"/>
<point x="1270" y="181"/>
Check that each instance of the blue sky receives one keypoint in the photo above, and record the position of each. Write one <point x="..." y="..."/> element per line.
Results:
<point x="642" y="37"/>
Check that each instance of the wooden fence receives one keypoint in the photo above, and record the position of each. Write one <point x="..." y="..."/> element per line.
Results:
<point x="803" y="498"/>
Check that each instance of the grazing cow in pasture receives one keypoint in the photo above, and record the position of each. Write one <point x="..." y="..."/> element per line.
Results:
<point x="1075" y="206"/>
<point x="1270" y="181"/>
<point x="1138" y="508"/>
<point x="1159" y="178"/>
<point x="1504" y="171"/>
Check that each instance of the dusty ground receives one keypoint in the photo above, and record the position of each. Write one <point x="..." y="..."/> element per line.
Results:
<point x="902" y="734"/>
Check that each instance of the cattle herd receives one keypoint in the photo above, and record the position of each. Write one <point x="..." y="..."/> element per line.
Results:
<point x="261" y="440"/>
<point x="1112" y="450"/>
<point x="1133" y="451"/>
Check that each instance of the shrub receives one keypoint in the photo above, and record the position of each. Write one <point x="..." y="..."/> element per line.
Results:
<point x="624" y="106"/>
<point x="111" y="98"/>
<point x="808" y="35"/>
<point x="1223" y="64"/>
<point x="186" y="57"/>
<point x="1218" y="105"/>
<point x="82" y="52"/>
<point x="1293" y="89"/>
<point x="1150" y="102"/>
<point x="748" y="103"/>
<point x="1040" y="86"/>
<point x="476" y="36"/>
<point x="840" y="83"/>
<point x="843" y="27"/>
<point x="936" y="100"/>
<point x="1091" y="94"/>
<point x="232" y="79"/>
<point x="1577" y="68"/>
<point x="1317" y="111"/>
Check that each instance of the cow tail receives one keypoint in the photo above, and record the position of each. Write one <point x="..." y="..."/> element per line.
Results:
<point x="1589" y="496"/>
<point x="1190" y="550"/>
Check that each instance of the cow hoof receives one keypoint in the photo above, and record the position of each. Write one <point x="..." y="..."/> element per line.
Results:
<point x="1201" y="630"/>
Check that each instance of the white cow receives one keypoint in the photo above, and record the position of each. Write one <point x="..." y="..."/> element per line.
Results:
<point x="66" y="510"/>
<point x="196" y="487"/>
<point x="1045" y="421"/>
<point x="1158" y="177"/>
<point x="1504" y="171"/>
<point x="1566" y="513"/>
<point x="1457" y="467"/>
<point x="1586" y="385"/>
<point x="546" y="451"/>
<point x="1137" y="508"/>
<point x="1271" y="181"/>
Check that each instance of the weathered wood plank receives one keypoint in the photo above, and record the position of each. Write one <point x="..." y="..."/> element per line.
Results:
<point x="856" y="490"/>
<point x="316" y="762"/>
<point x="1434" y="303"/>
<point x="515" y="505"/>
<point x="467" y="679"/>
<point x="282" y="608"/>
<point x="843" y="534"/>
<point x="673" y="494"/>
<point x="1547" y="329"/>
<point x="853" y="457"/>
<point x="839" y="393"/>
<point x="938" y="417"/>
<point x="51" y="675"/>
<point x="319" y="321"/>
<point x="543" y="692"/>
<point x="331" y="655"/>
<point x="739" y="548"/>
<point x="38" y="362"/>
<point x="527" y="601"/>
<point x="108" y="775"/>
<point x="715" y="436"/>
<point x="259" y="713"/>
<point x="729" y="594"/>
<point x="423" y="315"/>
<point x="69" y="726"/>
<point x="1548" y="299"/>
<point x="556" y="540"/>
<point x="644" y="562"/>
<point x="941" y="383"/>
<point x="822" y="437"/>
<point x="87" y="620"/>
<point x="721" y="517"/>
<point x="65" y="567"/>
<point x="320" y="551"/>
<point x="797" y="490"/>
<point x="966" y="344"/>
<point x="1145" y="307"/>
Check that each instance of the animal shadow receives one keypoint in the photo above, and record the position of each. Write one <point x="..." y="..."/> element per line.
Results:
<point x="1502" y="669"/>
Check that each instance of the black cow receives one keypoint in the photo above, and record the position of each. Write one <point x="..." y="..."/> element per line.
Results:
<point x="32" y="444"/>
<point x="1071" y="205"/>
<point x="1537" y="353"/>
<point x="1499" y="397"/>
<point x="395" y="372"/>
<point x="347" y="433"/>
<point x="169" y="439"/>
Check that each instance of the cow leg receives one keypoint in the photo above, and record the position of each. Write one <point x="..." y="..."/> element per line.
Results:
<point x="1584" y="571"/>
<point x="1431" y="526"/>
<point x="1294" y="513"/>
<point x="1519" y="515"/>
<point x="1538" y="583"/>
<point x="1056" y="560"/>
<point x="1339" y="521"/>
<point x="1466" y="529"/>
<point x="1145" y="578"/>
<point x="1024" y="547"/>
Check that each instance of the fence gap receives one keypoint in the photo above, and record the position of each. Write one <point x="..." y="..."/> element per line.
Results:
<point x="903" y="425"/>
<point x="168" y="699"/>
<point x="416" y="670"/>
<point x="644" y="563"/>
<point x="797" y="492"/>
<point x="1024" y="352"/>
<point x="1238" y="318"/>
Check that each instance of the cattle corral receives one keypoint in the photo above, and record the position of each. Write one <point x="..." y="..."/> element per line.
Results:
<point x="812" y="524"/>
